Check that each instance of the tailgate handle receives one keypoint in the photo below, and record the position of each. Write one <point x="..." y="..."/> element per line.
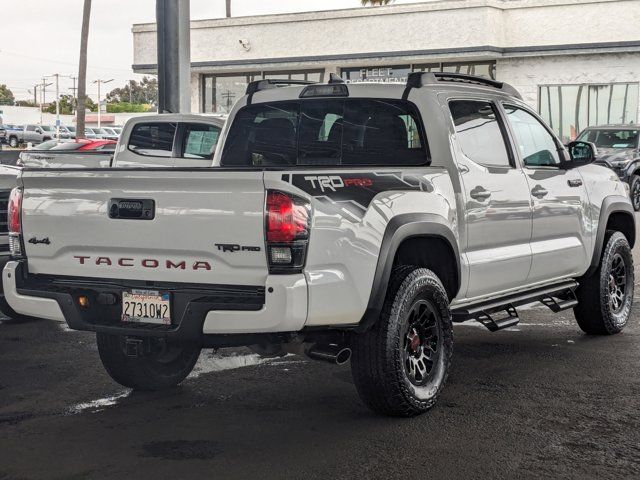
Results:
<point x="132" y="208"/>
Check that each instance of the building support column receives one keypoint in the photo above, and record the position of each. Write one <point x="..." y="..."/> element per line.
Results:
<point x="174" y="56"/>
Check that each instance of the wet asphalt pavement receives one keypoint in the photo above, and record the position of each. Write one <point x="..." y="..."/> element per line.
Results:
<point x="540" y="400"/>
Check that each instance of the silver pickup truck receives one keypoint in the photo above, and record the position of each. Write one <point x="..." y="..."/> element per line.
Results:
<point x="166" y="140"/>
<point x="31" y="133"/>
<point x="339" y="221"/>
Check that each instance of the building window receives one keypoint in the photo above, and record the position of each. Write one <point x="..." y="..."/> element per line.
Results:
<point x="220" y="92"/>
<point x="307" y="75"/>
<point x="568" y="109"/>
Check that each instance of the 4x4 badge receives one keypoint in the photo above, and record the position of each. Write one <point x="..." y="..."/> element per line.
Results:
<point x="35" y="241"/>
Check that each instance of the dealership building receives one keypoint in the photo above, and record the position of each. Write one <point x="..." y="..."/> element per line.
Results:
<point x="577" y="62"/>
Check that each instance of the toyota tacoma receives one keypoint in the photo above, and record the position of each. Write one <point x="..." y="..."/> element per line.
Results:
<point x="344" y="222"/>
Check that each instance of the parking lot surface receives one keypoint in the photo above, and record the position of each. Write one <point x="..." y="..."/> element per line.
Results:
<point x="540" y="400"/>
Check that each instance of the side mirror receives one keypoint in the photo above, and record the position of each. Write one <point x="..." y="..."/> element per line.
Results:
<point x="38" y="130"/>
<point x="581" y="153"/>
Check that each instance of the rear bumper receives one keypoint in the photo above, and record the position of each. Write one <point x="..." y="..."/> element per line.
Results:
<point x="197" y="310"/>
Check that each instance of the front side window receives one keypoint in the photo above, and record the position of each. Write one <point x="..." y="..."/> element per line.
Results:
<point x="153" y="139"/>
<point x="326" y="132"/>
<point x="199" y="141"/>
<point x="479" y="132"/>
<point x="31" y="128"/>
<point x="536" y="145"/>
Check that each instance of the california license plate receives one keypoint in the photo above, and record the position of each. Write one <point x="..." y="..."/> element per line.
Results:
<point x="146" y="306"/>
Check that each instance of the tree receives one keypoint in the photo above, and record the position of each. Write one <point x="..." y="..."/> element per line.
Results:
<point x="376" y="2"/>
<point x="145" y="92"/>
<point x="66" y="105"/>
<point x="6" y="95"/>
<point x="25" y="103"/>
<point x="82" y="69"/>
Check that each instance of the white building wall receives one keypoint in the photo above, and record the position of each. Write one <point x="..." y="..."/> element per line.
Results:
<point x="434" y="25"/>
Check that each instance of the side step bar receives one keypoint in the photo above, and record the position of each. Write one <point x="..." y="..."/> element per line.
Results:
<point x="501" y="313"/>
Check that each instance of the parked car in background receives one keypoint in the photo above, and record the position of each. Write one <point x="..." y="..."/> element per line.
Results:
<point x="166" y="140"/>
<point x="67" y="132"/>
<point x="3" y="135"/>
<point x="14" y="132"/>
<point x="89" y="132"/>
<point x="71" y="154"/>
<point x="31" y="133"/>
<point x="118" y="130"/>
<point x="108" y="133"/>
<point x="619" y="149"/>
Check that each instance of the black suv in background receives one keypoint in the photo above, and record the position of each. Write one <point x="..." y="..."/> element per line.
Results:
<point x="618" y="149"/>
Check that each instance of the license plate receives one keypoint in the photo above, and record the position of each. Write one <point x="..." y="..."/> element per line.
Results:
<point x="146" y="306"/>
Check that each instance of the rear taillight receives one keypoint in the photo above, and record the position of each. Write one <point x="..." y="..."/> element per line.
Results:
<point x="287" y="225"/>
<point x="14" y="222"/>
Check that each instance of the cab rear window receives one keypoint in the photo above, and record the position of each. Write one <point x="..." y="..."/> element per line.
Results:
<point x="350" y="132"/>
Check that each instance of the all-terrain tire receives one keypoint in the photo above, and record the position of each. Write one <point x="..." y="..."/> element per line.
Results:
<point x="384" y="358"/>
<point x="634" y="192"/>
<point x="601" y="309"/>
<point x="157" y="370"/>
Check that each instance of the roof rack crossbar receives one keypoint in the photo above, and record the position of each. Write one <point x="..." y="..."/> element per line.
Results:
<point x="418" y="79"/>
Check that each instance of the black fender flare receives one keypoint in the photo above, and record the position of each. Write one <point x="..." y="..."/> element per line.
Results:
<point x="610" y="205"/>
<point x="399" y="229"/>
<point x="631" y="170"/>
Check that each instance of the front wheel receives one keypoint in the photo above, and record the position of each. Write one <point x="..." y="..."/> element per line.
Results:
<point x="13" y="142"/>
<point x="634" y="192"/>
<point x="605" y="298"/>
<point x="162" y="365"/>
<point x="400" y="365"/>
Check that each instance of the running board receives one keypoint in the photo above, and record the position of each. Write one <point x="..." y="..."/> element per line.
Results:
<point x="501" y="313"/>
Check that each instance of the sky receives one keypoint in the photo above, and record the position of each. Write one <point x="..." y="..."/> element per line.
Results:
<point x="42" y="37"/>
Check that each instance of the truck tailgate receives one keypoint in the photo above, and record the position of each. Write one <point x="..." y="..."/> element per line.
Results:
<point x="198" y="218"/>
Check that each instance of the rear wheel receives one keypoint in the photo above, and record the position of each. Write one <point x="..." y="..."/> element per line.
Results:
<point x="162" y="365"/>
<point x="635" y="192"/>
<point x="13" y="142"/>
<point x="401" y="364"/>
<point x="605" y="298"/>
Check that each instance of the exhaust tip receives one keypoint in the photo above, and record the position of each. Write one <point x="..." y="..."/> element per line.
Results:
<point x="343" y="356"/>
<point x="335" y="354"/>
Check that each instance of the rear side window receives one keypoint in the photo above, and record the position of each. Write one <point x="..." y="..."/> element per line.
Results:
<point x="479" y="134"/>
<point x="199" y="141"/>
<point x="349" y="132"/>
<point x="153" y="139"/>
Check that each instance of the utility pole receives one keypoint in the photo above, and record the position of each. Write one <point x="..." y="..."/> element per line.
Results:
<point x="99" y="109"/>
<point x="57" y="77"/>
<point x="35" y="93"/>
<point x="73" y="89"/>
<point x="43" y="95"/>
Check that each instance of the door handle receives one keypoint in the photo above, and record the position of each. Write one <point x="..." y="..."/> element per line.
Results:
<point x="539" y="192"/>
<point x="575" y="182"/>
<point x="480" y="194"/>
